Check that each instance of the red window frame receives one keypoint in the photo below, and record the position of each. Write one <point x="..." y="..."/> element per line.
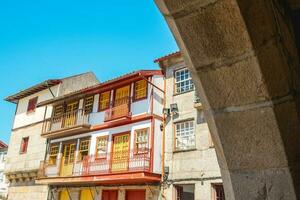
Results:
<point x="24" y="145"/>
<point x="32" y="104"/>
<point x="179" y="192"/>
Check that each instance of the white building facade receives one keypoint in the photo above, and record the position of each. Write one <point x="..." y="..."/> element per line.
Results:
<point x="27" y="147"/>
<point x="191" y="168"/>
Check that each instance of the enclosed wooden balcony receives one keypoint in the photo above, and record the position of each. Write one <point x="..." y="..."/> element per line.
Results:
<point x="68" y="123"/>
<point x="109" y="168"/>
<point x="120" y="109"/>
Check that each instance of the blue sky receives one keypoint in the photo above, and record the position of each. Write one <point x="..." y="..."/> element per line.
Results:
<point x="41" y="40"/>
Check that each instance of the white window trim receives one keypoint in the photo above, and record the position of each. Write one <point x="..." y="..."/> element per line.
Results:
<point x="176" y="82"/>
<point x="189" y="137"/>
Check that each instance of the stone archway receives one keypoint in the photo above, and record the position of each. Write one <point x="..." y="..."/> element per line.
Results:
<point x="244" y="62"/>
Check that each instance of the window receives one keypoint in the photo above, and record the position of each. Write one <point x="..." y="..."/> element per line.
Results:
<point x="185" y="136"/>
<point x="185" y="192"/>
<point x="88" y="104"/>
<point x="104" y="100"/>
<point x="58" y="111"/>
<point x="183" y="81"/>
<point x="32" y="104"/>
<point x="140" y="89"/>
<point x="53" y="155"/>
<point x="141" y="141"/>
<point x="24" y="145"/>
<point x="218" y="191"/>
<point x="84" y="149"/>
<point x="101" y="147"/>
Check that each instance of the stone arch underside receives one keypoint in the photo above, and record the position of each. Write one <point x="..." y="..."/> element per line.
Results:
<point x="244" y="63"/>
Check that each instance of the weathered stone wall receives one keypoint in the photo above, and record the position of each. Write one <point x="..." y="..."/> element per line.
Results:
<point x="28" y="192"/>
<point x="77" y="82"/>
<point x="245" y="66"/>
<point x="30" y="160"/>
<point x="192" y="166"/>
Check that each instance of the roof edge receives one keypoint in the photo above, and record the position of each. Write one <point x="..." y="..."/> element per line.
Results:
<point x="103" y="84"/>
<point x="177" y="53"/>
<point x="33" y="89"/>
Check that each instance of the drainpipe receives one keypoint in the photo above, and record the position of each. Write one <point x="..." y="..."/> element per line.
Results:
<point x="163" y="140"/>
<point x="47" y="140"/>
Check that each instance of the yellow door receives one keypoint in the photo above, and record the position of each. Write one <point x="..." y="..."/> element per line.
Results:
<point x="68" y="160"/>
<point x="121" y="102"/>
<point x="63" y="195"/>
<point x="120" y="154"/>
<point x="87" y="194"/>
<point x="70" y="118"/>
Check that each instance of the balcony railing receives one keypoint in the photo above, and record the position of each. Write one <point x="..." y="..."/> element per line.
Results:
<point x="66" y="120"/>
<point x="117" y="162"/>
<point x="121" y="108"/>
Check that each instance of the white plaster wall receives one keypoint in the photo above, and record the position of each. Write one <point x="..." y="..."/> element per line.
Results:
<point x="158" y="96"/>
<point x="22" y="118"/>
<point x="141" y="106"/>
<point x="157" y="147"/>
<point x="2" y="159"/>
<point x="97" y="118"/>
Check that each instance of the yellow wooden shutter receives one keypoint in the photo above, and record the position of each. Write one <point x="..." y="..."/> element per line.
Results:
<point x="104" y="100"/>
<point x="140" y="89"/>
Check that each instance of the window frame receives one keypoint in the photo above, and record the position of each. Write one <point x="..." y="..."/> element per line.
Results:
<point x="135" y="148"/>
<point x="188" y="148"/>
<point x="96" y="149"/>
<point x="134" y="99"/>
<point x="175" y="82"/>
<point x="54" y="155"/>
<point x="32" y="103"/>
<point x="109" y="101"/>
<point x="92" y="104"/>
<point x="23" y="149"/>
<point x="80" y="158"/>
<point x="181" y="187"/>
<point x="214" y="190"/>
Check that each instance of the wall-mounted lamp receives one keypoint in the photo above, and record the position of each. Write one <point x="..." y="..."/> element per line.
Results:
<point x="167" y="111"/>
<point x="167" y="170"/>
<point x="166" y="174"/>
<point x="174" y="108"/>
